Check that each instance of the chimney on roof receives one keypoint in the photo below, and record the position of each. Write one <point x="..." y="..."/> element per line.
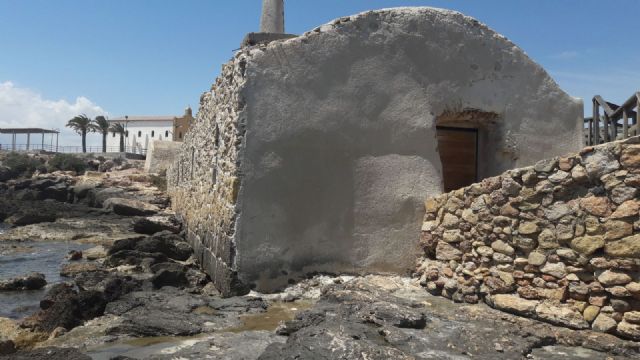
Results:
<point x="272" y="20"/>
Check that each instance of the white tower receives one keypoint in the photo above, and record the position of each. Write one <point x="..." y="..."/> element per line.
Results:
<point x="272" y="20"/>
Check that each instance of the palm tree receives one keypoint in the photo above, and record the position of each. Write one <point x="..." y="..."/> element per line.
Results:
<point x="101" y="125"/>
<point x="119" y="129"/>
<point x="81" y="125"/>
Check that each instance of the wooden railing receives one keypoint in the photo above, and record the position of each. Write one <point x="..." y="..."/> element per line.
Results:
<point x="616" y="121"/>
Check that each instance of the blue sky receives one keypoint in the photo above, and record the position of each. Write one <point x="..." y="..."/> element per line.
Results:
<point x="157" y="56"/>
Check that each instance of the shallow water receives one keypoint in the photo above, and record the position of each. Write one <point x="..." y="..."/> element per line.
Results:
<point x="144" y="347"/>
<point x="17" y="259"/>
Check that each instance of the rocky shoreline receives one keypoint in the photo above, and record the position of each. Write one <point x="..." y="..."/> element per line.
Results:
<point x="137" y="292"/>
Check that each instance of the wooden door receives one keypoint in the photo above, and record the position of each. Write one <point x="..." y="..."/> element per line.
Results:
<point x="458" y="148"/>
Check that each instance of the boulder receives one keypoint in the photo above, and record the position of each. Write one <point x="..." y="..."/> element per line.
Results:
<point x="626" y="209"/>
<point x="129" y="207"/>
<point x="29" y="218"/>
<point x="155" y="224"/>
<point x="169" y="277"/>
<point x="561" y="315"/>
<point x="514" y="304"/>
<point x="96" y="197"/>
<point x="33" y="281"/>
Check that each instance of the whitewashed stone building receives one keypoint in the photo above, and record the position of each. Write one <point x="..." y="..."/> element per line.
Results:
<point x="142" y="130"/>
<point x="315" y="153"/>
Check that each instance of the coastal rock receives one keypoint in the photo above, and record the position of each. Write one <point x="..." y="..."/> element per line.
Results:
<point x="50" y="353"/>
<point x="33" y="281"/>
<point x="129" y="207"/>
<point x="155" y="224"/>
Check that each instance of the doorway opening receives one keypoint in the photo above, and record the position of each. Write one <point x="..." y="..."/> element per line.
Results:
<point x="458" y="148"/>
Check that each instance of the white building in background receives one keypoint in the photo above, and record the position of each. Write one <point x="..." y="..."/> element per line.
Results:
<point x="141" y="130"/>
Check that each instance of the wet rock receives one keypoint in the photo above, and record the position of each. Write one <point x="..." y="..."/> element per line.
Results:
<point x="33" y="281"/>
<point x="64" y="307"/>
<point x="95" y="253"/>
<point x="74" y="255"/>
<point x="129" y="207"/>
<point x="49" y="353"/>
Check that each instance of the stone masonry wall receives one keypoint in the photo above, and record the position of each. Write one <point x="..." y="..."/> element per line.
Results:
<point x="203" y="182"/>
<point x="558" y="241"/>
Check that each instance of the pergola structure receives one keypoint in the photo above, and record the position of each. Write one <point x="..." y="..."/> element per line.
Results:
<point x="28" y="132"/>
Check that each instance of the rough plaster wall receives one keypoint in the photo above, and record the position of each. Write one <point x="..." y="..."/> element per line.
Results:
<point x="160" y="155"/>
<point x="340" y="119"/>
<point x="203" y="181"/>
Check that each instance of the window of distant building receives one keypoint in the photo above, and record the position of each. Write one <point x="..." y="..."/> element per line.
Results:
<point x="126" y="133"/>
<point x="139" y="133"/>
<point x="166" y="134"/>
<point x="180" y="136"/>
<point x="153" y="133"/>
<point x="114" y="134"/>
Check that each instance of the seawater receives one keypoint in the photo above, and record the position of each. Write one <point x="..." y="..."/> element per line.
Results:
<point x="43" y="257"/>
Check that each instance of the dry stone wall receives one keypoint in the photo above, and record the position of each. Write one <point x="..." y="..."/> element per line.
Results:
<point x="203" y="182"/>
<point x="558" y="241"/>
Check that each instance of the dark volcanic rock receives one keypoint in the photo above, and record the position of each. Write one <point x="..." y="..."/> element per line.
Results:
<point x="49" y="353"/>
<point x="66" y="308"/>
<point x="96" y="197"/>
<point x="7" y="347"/>
<point x="155" y="224"/>
<point x="169" y="244"/>
<point x="129" y="207"/>
<point x="175" y="278"/>
<point x="33" y="281"/>
<point x="134" y="257"/>
<point x="28" y="218"/>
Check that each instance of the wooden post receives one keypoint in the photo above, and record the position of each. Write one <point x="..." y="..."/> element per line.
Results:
<point x="596" y="122"/>
<point x="625" y="124"/>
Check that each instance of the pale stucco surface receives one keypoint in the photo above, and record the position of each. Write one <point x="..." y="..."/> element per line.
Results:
<point x="316" y="153"/>
<point x="340" y="146"/>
